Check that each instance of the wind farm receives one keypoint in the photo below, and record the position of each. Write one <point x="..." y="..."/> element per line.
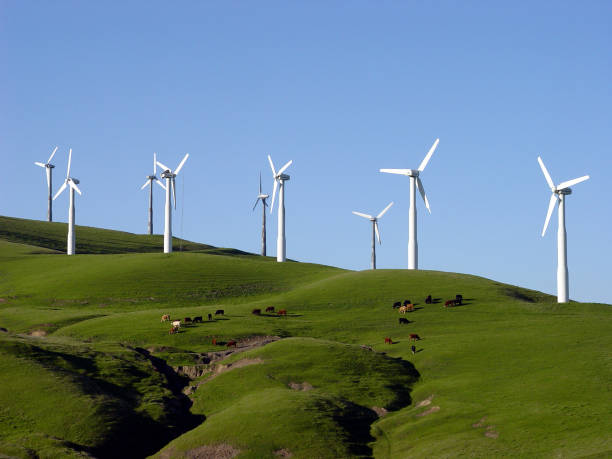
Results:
<point x="136" y="325"/>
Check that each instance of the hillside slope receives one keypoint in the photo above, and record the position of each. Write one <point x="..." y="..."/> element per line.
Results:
<point x="508" y="373"/>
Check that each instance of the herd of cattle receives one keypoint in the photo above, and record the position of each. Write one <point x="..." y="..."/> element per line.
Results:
<point x="408" y="306"/>
<point x="176" y="324"/>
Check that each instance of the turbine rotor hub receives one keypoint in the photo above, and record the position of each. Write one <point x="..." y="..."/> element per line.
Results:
<point x="564" y="191"/>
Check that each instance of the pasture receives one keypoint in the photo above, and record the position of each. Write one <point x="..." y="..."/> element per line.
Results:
<point x="86" y="362"/>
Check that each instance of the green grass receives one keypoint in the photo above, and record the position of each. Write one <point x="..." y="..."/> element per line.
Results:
<point x="538" y="373"/>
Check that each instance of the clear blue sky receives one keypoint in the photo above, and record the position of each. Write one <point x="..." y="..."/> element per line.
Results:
<point x="343" y="89"/>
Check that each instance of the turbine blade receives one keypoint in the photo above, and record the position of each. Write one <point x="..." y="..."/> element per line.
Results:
<point x="260" y="182"/>
<point x="145" y="185"/>
<point x="154" y="163"/>
<point x="62" y="188"/>
<point x="273" y="195"/>
<point x="272" y="166"/>
<point x="396" y="171"/>
<point x="255" y="205"/>
<point x="173" y="186"/>
<point x="551" y="205"/>
<point x="69" y="161"/>
<point x="165" y="168"/>
<point x="572" y="182"/>
<point x="180" y="166"/>
<point x="40" y="164"/>
<point x="546" y="174"/>
<point x="74" y="187"/>
<point x="52" y="155"/>
<point x="422" y="191"/>
<point x="363" y="215"/>
<point x="160" y="184"/>
<point x="377" y="232"/>
<point x="284" y="168"/>
<point x="385" y="210"/>
<point x="428" y="156"/>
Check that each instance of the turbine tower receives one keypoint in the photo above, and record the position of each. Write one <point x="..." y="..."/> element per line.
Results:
<point x="262" y="197"/>
<point x="72" y="183"/>
<point x="170" y="177"/>
<point x="413" y="250"/>
<point x="149" y="182"/>
<point x="279" y="181"/>
<point x="49" y="168"/>
<point x="559" y="192"/>
<point x="375" y="231"/>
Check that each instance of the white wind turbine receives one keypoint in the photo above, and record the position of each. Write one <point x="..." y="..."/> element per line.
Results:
<point x="149" y="183"/>
<point x="279" y="181"/>
<point x="170" y="176"/>
<point x="49" y="169"/>
<point x="375" y="231"/>
<point x="262" y="197"/>
<point x="72" y="183"/>
<point x="558" y="197"/>
<point x="413" y="251"/>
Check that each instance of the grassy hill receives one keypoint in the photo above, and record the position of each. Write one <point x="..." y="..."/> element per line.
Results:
<point x="86" y="363"/>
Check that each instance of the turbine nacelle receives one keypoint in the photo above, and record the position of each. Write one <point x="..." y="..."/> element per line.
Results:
<point x="283" y="177"/>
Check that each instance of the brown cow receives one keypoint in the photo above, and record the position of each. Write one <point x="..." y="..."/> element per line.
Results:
<point x="388" y="341"/>
<point x="270" y="309"/>
<point x="214" y="341"/>
<point x="173" y="330"/>
<point x="410" y="307"/>
<point x="282" y="312"/>
<point x="414" y="337"/>
<point x="165" y="318"/>
<point x="256" y="312"/>
<point x="231" y="343"/>
<point x="448" y="303"/>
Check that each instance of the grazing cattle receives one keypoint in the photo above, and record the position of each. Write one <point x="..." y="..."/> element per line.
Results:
<point x="214" y="341"/>
<point x="174" y="330"/>
<point x="459" y="300"/>
<point x="197" y="319"/>
<point x="428" y="300"/>
<point x="414" y="337"/>
<point x="402" y="310"/>
<point x="256" y="312"/>
<point x="270" y="309"/>
<point x="187" y="320"/>
<point x="448" y="303"/>
<point x="209" y="316"/>
<point x="282" y="312"/>
<point x="410" y="307"/>
<point x="396" y="305"/>
<point x="403" y="320"/>
<point x="165" y="318"/>
<point x="407" y="302"/>
<point x="176" y="323"/>
<point x="413" y="349"/>
<point x="231" y="343"/>
<point x="219" y="312"/>
<point x="388" y="341"/>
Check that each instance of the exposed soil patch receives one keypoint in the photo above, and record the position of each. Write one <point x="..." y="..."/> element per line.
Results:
<point x="37" y="333"/>
<point x="425" y="402"/>
<point x="480" y="423"/>
<point x="381" y="412"/>
<point x="433" y="409"/>
<point x="284" y="452"/>
<point x="303" y="386"/>
<point x="222" y="451"/>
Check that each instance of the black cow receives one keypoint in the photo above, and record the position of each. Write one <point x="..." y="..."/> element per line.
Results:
<point x="407" y="302"/>
<point x="403" y="320"/>
<point x="209" y="316"/>
<point x="219" y="312"/>
<point x="397" y="304"/>
<point x="428" y="300"/>
<point x="197" y="319"/>
<point x="459" y="299"/>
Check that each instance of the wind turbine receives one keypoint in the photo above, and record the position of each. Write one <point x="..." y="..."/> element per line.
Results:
<point x="149" y="183"/>
<point x="279" y="181"/>
<point x="49" y="168"/>
<point x="375" y="231"/>
<point x="72" y="183"/>
<point x="262" y="197"/>
<point x="170" y="177"/>
<point x="558" y="197"/>
<point x="413" y="250"/>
